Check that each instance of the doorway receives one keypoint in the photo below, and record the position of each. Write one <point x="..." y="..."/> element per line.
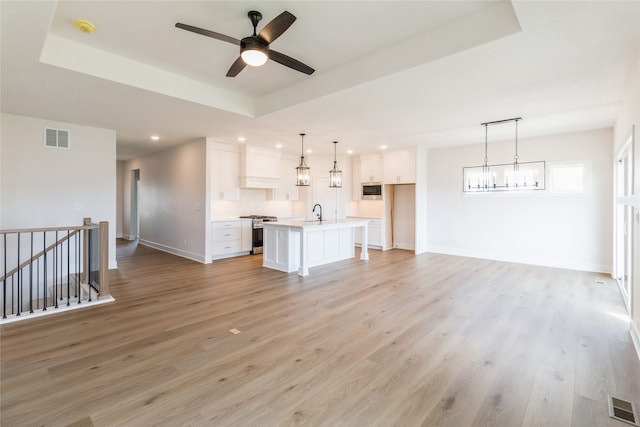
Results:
<point x="400" y="214"/>
<point x="134" y="222"/>
<point x="403" y="216"/>
<point x="624" y="211"/>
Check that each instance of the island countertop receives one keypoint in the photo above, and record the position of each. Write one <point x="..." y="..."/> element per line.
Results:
<point x="298" y="245"/>
<point x="315" y="223"/>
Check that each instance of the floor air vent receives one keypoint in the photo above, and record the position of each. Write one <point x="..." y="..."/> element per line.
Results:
<point x="622" y="410"/>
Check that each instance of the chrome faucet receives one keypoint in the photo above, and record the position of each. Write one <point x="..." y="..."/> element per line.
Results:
<point x="314" y="211"/>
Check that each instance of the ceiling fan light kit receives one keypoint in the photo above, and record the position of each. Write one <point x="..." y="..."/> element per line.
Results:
<point x="254" y="49"/>
<point x="253" y="53"/>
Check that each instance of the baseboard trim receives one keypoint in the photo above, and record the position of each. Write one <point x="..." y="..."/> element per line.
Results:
<point x="174" y="251"/>
<point x="554" y="263"/>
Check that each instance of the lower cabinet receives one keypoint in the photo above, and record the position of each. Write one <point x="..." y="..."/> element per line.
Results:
<point x="231" y="238"/>
<point x="375" y="233"/>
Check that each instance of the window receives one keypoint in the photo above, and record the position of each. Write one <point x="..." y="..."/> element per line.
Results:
<point x="569" y="177"/>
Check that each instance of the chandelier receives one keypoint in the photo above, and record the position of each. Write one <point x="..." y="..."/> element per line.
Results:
<point x="516" y="176"/>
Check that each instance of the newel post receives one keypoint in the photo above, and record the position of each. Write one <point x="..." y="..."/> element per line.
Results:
<point x="84" y="275"/>
<point x="104" y="259"/>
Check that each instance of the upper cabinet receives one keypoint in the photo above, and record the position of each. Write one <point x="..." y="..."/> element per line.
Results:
<point x="371" y="168"/>
<point x="259" y="167"/>
<point x="287" y="189"/>
<point x="400" y="166"/>
<point x="224" y="161"/>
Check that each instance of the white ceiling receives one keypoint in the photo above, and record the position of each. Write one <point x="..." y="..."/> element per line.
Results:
<point x="397" y="73"/>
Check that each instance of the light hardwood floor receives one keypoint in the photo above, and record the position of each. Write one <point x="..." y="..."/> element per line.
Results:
<point x="401" y="340"/>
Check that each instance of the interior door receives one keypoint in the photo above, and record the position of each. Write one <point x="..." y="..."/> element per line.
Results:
<point x="325" y="197"/>
<point x="134" y="222"/>
<point x="623" y="258"/>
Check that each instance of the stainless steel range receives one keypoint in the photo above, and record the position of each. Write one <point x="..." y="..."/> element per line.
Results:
<point x="256" y="235"/>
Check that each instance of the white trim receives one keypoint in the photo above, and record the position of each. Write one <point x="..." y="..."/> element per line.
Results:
<point x="231" y="255"/>
<point x="544" y="262"/>
<point x="51" y="311"/>
<point x="175" y="251"/>
<point x="635" y="337"/>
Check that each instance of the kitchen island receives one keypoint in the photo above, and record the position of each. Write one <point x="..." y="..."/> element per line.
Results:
<point x="299" y="245"/>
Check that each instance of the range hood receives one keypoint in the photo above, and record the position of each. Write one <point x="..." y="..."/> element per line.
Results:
<point x="259" y="167"/>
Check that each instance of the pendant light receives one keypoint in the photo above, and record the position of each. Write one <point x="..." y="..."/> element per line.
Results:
<point x="335" y="174"/>
<point x="303" y="173"/>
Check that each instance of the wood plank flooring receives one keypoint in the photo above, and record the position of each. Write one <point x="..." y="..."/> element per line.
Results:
<point x="400" y="340"/>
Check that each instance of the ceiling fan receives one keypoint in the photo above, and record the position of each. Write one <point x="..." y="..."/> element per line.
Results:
<point x="254" y="49"/>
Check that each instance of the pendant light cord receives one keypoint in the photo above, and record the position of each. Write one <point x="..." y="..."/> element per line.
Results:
<point x="516" y="155"/>
<point x="486" y="132"/>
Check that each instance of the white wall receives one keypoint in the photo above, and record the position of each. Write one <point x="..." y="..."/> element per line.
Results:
<point x="172" y="199"/>
<point x="49" y="187"/>
<point x="538" y="227"/>
<point x="422" y="201"/>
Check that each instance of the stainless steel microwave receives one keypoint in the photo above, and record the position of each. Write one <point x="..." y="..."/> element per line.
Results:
<point x="371" y="191"/>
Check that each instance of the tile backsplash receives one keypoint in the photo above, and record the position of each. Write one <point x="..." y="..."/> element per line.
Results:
<point x="254" y="202"/>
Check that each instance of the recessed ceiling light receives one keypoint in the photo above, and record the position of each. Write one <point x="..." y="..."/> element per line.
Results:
<point x="309" y="151"/>
<point x="349" y="151"/>
<point x="242" y="139"/>
<point x="278" y="145"/>
<point x="155" y="137"/>
<point x="383" y="147"/>
<point x="85" y="26"/>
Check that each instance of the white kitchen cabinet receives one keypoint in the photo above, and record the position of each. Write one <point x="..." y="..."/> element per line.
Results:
<point x="371" y="168"/>
<point x="400" y="166"/>
<point x="224" y="163"/>
<point x="246" y="233"/>
<point x="356" y="183"/>
<point x="375" y="233"/>
<point x="300" y="245"/>
<point x="230" y="238"/>
<point x="259" y="167"/>
<point x="287" y="189"/>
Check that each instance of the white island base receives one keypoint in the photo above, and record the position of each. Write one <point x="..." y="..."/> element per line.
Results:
<point x="299" y="245"/>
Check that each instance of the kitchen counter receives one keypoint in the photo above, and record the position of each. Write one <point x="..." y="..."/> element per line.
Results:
<point x="299" y="245"/>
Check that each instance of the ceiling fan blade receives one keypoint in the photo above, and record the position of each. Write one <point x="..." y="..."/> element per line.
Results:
<point x="277" y="26"/>
<point x="208" y="33"/>
<point x="236" y="67"/>
<point x="288" y="61"/>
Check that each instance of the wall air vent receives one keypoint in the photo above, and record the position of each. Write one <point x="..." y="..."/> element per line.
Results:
<point x="622" y="410"/>
<point x="56" y="138"/>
